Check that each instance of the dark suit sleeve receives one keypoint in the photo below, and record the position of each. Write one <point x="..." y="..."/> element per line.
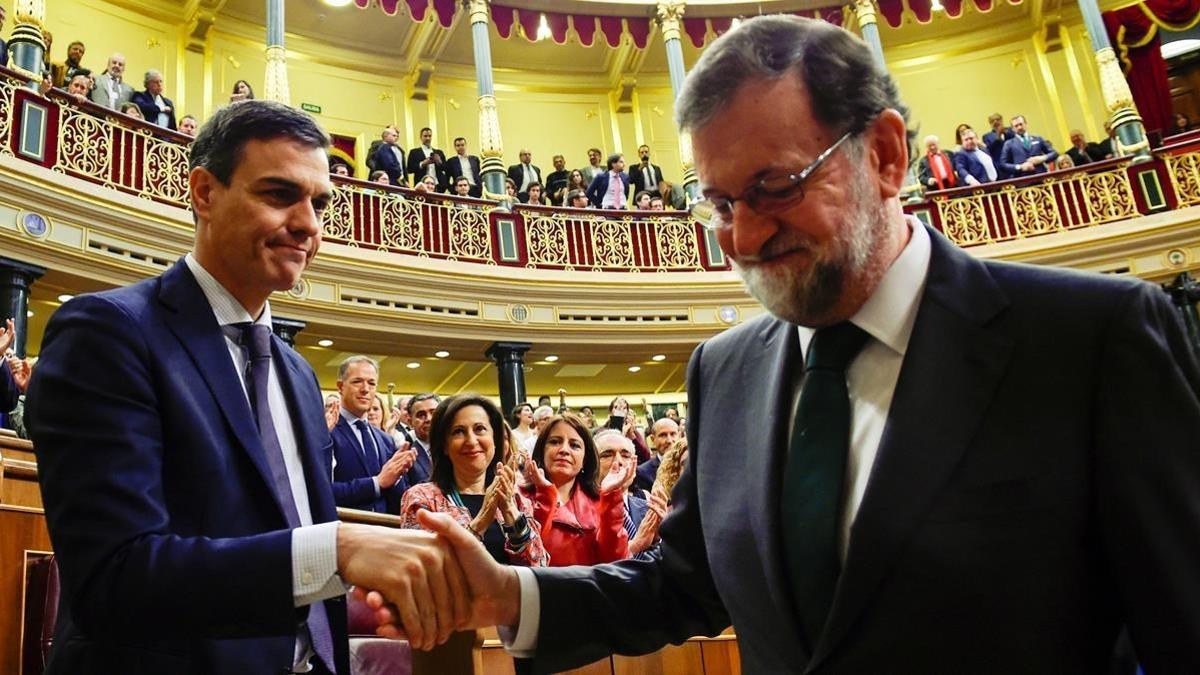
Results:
<point x="595" y="191"/>
<point x="1008" y="159"/>
<point x="9" y="394"/>
<point x="93" y="410"/>
<point x="610" y="600"/>
<point x="923" y="174"/>
<point x="1051" y="153"/>
<point x="1147" y="494"/>
<point x="960" y="167"/>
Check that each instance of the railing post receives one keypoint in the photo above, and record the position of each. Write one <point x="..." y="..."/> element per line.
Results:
<point x="15" y="280"/>
<point x="491" y="148"/>
<point x="1123" y="114"/>
<point x="275" y="82"/>
<point x="27" y="43"/>
<point x="670" y="13"/>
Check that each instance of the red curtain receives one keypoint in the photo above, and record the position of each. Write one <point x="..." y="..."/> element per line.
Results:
<point x="1133" y="32"/>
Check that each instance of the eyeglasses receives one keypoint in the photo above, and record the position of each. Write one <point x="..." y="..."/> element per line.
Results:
<point x="768" y="196"/>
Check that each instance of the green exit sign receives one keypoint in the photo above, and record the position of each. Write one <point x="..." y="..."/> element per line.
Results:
<point x="310" y="107"/>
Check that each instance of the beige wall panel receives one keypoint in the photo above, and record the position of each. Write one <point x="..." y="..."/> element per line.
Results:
<point x="457" y="109"/>
<point x="660" y="133"/>
<point x="552" y="124"/>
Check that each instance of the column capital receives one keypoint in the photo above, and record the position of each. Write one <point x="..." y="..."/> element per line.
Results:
<point x="670" y="12"/>
<point x="865" y="11"/>
<point x="507" y="352"/>
<point x="477" y="10"/>
<point x="287" y="329"/>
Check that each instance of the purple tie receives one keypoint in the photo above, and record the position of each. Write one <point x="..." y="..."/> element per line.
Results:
<point x="257" y="340"/>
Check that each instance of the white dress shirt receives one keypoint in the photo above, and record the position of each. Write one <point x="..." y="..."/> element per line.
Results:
<point x="114" y="92"/>
<point x="887" y="317"/>
<point x="989" y="167"/>
<point x="431" y="168"/>
<point x="465" y="162"/>
<point x="314" y="547"/>
<point x="163" y="117"/>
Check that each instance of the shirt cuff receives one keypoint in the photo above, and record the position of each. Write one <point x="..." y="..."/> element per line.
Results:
<point x="375" y="480"/>
<point x="314" y="564"/>
<point x="523" y="644"/>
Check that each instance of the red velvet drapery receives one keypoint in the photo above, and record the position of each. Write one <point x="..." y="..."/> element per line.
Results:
<point x="1133" y="32"/>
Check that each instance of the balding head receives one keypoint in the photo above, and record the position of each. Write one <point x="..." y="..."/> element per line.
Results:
<point x="664" y="433"/>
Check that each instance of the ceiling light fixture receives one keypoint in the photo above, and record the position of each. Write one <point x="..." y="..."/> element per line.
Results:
<point x="338" y="3"/>
<point x="634" y="369"/>
<point x="325" y="343"/>
<point x="412" y="364"/>
<point x="550" y="359"/>
<point x="543" y="31"/>
<point x="441" y="354"/>
<point x="65" y="297"/>
<point x="659" y="357"/>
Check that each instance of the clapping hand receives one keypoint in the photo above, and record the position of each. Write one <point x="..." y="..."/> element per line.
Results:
<point x="332" y="411"/>
<point x="616" y="478"/>
<point x="506" y="494"/>
<point x="398" y="465"/>
<point x="647" y="532"/>
<point x="8" y="335"/>
<point x="21" y="370"/>
<point x="535" y="476"/>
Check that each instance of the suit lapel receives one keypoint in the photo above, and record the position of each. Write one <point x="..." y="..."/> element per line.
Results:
<point x="192" y="321"/>
<point x="775" y="360"/>
<point x="952" y="366"/>
<point x="312" y="437"/>
<point x="350" y="439"/>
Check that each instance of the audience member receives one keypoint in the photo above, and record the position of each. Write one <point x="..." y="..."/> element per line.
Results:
<point x="462" y="165"/>
<point x="188" y="125"/>
<point x="375" y="414"/>
<point x="1064" y="162"/>
<point x="673" y="195"/>
<point x="610" y="189"/>
<point x="380" y="177"/>
<point x="425" y="160"/>
<point x="1025" y="154"/>
<point x="130" y="108"/>
<point x="935" y="170"/>
<point x="426" y="184"/>
<point x="111" y="89"/>
<point x="974" y="166"/>
<point x="575" y="181"/>
<point x="958" y="130"/>
<point x="541" y="417"/>
<point x="1079" y="149"/>
<point x="8" y="386"/>
<point x="612" y="446"/>
<point x="645" y="176"/>
<point x="663" y="435"/>
<point x="589" y="419"/>
<point x="641" y="201"/>
<point x="333" y="410"/>
<point x="620" y="417"/>
<point x="581" y="514"/>
<point x="524" y="173"/>
<point x="3" y="44"/>
<point x="156" y="108"/>
<point x="594" y="167"/>
<point x="672" y="414"/>
<point x="656" y="203"/>
<point x="335" y="168"/>
<point x="1107" y="148"/>
<point x="522" y="423"/>
<point x="77" y="88"/>
<point x="533" y="194"/>
<point x="368" y="469"/>
<point x="420" y="414"/>
<point x="578" y="199"/>
<point x="993" y="142"/>
<point x="1180" y="124"/>
<point x="396" y="425"/>
<point x="556" y="181"/>
<point x="389" y="157"/>
<point x="510" y="188"/>
<point x="242" y="91"/>
<point x="62" y="73"/>
<point x="462" y="187"/>
<point x="468" y="477"/>
<point x="21" y="370"/>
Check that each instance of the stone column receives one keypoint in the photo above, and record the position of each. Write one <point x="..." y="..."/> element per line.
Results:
<point x="491" y="148"/>
<point x="670" y="12"/>
<point x="1123" y="115"/>
<point x="510" y="368"/>
<point x="869" y="26"/>
<point x="27" y="43"/>
<point x="15" y="280"/>
<point x="275" y="83"/>
<point x="287" y="329"/>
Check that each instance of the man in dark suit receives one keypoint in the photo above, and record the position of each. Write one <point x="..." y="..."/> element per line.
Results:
<point x="368" y="469"/>
<point x="1079" y="149"/>
<point x="663" y="435"/>
<point x="613" y="446"/>
<point x="602" y="193"/>
<point x="993" y="141"/>
<point x="426" y="160"/>
<point x="462" y="165"/>
<point x="938" y="463"/>
<point x="156" y="108"/>
<point x="973" y="165"/>
<point x="420" y="412"/>
<point x="556" y="182"/>
<point x="183" y="456"/>
<point x="1026" y="154"/>
<point x="645" y="176"/>
<point x="524" y="173"/>
<point x="389" y="157"/>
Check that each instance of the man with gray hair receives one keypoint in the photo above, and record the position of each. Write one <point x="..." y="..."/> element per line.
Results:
<point x="541" y="417"/>
<point x="156" y="108"/>
<point x="111" y="88"/>
<point x="368" y="469"/>
<point x="614" y="446"/>
<point x="939" y="463"/>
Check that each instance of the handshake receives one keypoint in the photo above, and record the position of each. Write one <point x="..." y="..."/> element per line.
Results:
<point x="425" y="585"/>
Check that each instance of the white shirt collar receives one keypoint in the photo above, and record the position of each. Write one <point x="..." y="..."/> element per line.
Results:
<point x="225" y="307"/>
<point x="889" y="314"/>
<point x="350" y="418"/>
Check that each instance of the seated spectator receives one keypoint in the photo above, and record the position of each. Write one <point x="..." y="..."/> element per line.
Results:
<point x="935" y="170"/>
<point x="1106" y="149"/>
<point x="340" y="169"/>
<point x="610" y="189"/>
<point x="1026" y="154"/>
<point x="510" y="188"/>
<point x="1180" y="124"/>
<point x="1063" y="163"/>
<point x="380" y="177"/>
<point x="973" y="165"/>
<point x="656" y="203"/>
<point x="389" y="156"/>
<point x="533" y="194"/>
<point x="673" y="195"/>
<point x="663" y="434"/>
<point x="465" y="434"/>
<point x="112" y="91"/>
<point x="556" y="181"/>
<point x="577" y="199"/>
<point x="188" y="125"/>
<point x="462" y="186"/>
<point x="130" y="108"/>
<point x="156" y="108"/>
<point x="426" y="184"/>
<point x="641" y="201"/>
<point x="581" y="514"/>
<point x="611" y="446"/>
<point x="242" y="91"/>
<point x="620" y="418"/>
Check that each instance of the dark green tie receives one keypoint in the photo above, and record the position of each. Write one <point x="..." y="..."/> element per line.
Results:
<point x="815" y="472"/>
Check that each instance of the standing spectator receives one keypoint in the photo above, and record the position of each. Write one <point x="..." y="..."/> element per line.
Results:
<point x="1026" y="154"/>
<point x="61" y="73"/>
<point x="522" y="421"/>
<point x="9" y="391"/>
<point x="645" y="176"/>
<point x="593" y="168"/>
<point x="156" y="108"/>
<point x="663" y="435"/>
<point x="611" y="447"/>
<point x="242" y="91"/>
<point x="524" y="173"/>
<point x="610" y="189"/>
<point x="641" y="201"/>
<point x="541" y="417"/>
<point x="574" y="182"/>
<point x="188" y="125"/>
<point x="425" y="160"/>
<point x="462" y="165"/>
<point x="993" y="142"/>
<point x="375" y="414"/>
<point x="111" y="88"/>
<point x="420" y="413"/>
<point x="389" y="157"/>
<point x="958" y="131"/>
<point x="1079" y="149"/>
<point x="974" y="166"/>
<point x="556" y="181"/>
<point x="619" y="417"/>
<point x="934" y="169"/>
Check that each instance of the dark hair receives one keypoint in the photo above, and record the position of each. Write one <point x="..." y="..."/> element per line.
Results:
<point x="377" y="174"/>
<point x="571" y="177"/>
<point x="424" y="129"/>
<point x="461" y="179"/>
<point x="218" y="145"/>
<point x="657" y="198"/>
<point x="515" y="415"/>
<point x="250" y="96"/>
<point x="443" y="418"/>
<point x="460" y="138"/>
<point x="848" y="88"/>
<point x="421" y="397"/>
<point x="586" y="480"/>
<point x="613" y="403"/>
<point x="598" y="151"/>
<point x="546" y="398"/>
<point x="614" y="158"/>
<point x="573" y="194"/>
<point x="638" y="197"/>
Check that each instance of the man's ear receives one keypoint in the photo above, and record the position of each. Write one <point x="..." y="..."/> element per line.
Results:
<point x="201" y="184"/>
<point x="889" y="148"/>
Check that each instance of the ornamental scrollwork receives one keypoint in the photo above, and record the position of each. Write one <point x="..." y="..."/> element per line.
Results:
<point x="6" y="102"/>
<point x="470" y="234"/>
<point x="1109" y="196"/>
<point x="612" y="244"/>
<point x="546" y="240"/>
<point x="1185" y="177"/>
<point x="1034" y="210"/>
<point x="400" y="224"/>
<point x="337" y="220"/>
<point x="677" y="248"/>
<point x="166" y="171"/>
<point x="964" y="220"/>
<point x="84" y="145"/>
